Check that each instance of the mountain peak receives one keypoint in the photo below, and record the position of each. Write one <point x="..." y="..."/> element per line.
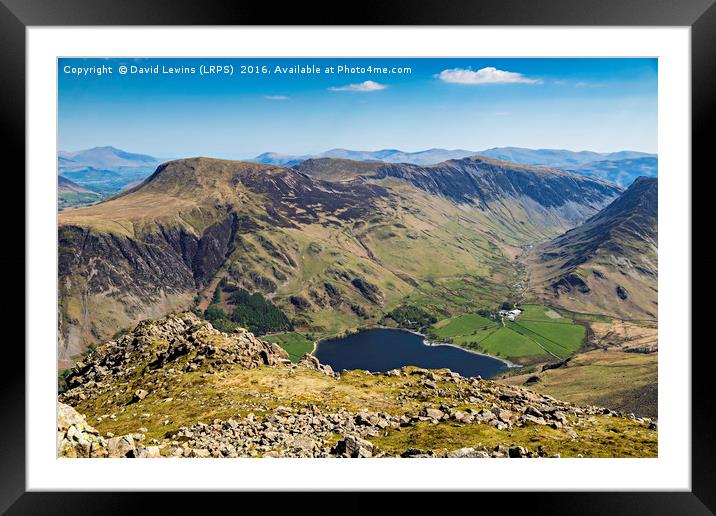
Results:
<point x="609" y="263"/>
<point x="107" y="158"/>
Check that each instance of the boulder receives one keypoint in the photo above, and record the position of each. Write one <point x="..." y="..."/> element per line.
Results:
<point x="432" y="413"/>
<point x="353" y="446"/>
<point x="76" y="438"/>
<point x="517" y="452"/>
<point x="139" y="395"/>
<point x="122" y="446"/>
<point x="469" y="453"/>
<point x="416" y="453"/>
<point x="311" y="362"/>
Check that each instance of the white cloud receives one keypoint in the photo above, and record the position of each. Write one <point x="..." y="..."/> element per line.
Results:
<point x="362" y="87"/>
<point x="488" y="75"/>
<point x="276" y="97"/>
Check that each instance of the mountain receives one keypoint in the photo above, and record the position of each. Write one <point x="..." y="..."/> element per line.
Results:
<point x="105" y="170"/>
<point x="70" y="194"/>
<point x="622" y="171"/>
<point x="108" y="158"/>
<point x="426" y="157"/>
<point x="64" y="185"/>
<point x="608" y="264"/>
<point x="620" y="167"/>
<point x="205" y="393"/>
<point x="334" y="244"/>
<point x="559" y="158"/>
<point x="274" y="158"/>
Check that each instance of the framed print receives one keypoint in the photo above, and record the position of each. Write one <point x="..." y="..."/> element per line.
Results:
<point x="431" y="241"/>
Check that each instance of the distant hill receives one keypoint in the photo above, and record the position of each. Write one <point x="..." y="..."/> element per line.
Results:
<point x="67" y="186"/>
<point x="105" y="158"/>
<point x="70" y="194"/>
<point x="620" y="167"/>
<point x="559" y="158"/>
<point x="426" y="157"/>
<point x="105" y="170"/>
<point x="609" y="263"/>
<point x="622" y="172"/>
<point x="275" y="158"/>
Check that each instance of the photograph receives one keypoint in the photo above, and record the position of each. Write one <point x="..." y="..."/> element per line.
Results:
<point x="359" y="257"/>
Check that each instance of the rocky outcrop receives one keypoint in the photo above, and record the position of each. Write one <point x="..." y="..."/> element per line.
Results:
<point x="76" y="438"/>
<point x="622" y="293"/>
<point x="181" y="342"/>
<point x="570" y="282"/>
<point x="369" y="291"/>
<point x="311" y="362"/>
<point x="142" y="275"/>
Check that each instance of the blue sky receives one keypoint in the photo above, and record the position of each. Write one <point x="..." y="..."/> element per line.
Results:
<point x="593" y="104"/>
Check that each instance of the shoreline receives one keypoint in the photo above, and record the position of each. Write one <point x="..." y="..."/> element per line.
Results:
<point x="425" y="340"/>
<point x="509" y="364"/>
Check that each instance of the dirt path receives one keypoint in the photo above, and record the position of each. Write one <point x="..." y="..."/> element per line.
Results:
<point x="208" y="293"/>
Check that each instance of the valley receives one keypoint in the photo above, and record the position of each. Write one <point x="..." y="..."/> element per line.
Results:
<point x="333" y="256"/>
<point x="315" y="259"/>
<point x="358" y="257"/>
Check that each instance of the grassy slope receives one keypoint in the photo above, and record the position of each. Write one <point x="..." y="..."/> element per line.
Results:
<point x="599" y="440"/>
<point x="74" y="199"/>
<point x="626" y="381"/>
<point x="463" y="325"/>
<point x="533" y="312"/>
<point x="295" y="344"/>
<point x="454" y="267"/>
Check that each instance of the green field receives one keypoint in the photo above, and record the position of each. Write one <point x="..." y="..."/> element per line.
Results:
<point x="76" y="199"/>
<point x="295" y="344"/>
<point x="539" y="333"/>
<point x="462" y="325"/>
<point x="507" y="343"/>
<point x="559" y="338"/>
<point x="542" y="313"/>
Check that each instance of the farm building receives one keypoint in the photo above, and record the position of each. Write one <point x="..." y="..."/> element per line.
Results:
<point x="510" y="315"/>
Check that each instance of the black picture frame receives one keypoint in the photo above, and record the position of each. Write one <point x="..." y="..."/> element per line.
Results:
<point x="17" y="15"/>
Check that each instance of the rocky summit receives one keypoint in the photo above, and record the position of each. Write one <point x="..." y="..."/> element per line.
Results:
<point x="177" y="387"/>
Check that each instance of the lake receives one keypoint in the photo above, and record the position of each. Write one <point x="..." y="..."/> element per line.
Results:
<point x="380" y="350"/>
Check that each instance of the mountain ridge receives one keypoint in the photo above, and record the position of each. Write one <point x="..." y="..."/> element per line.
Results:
<point x="554" y="158"/>
<point x="332" y="255"/>
<point x="558" y="158"/>
<point x="610" y="262"/>
<point x="103" y="157"/>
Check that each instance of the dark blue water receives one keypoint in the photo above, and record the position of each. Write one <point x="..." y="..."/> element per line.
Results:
<point x="381" y="350"/>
